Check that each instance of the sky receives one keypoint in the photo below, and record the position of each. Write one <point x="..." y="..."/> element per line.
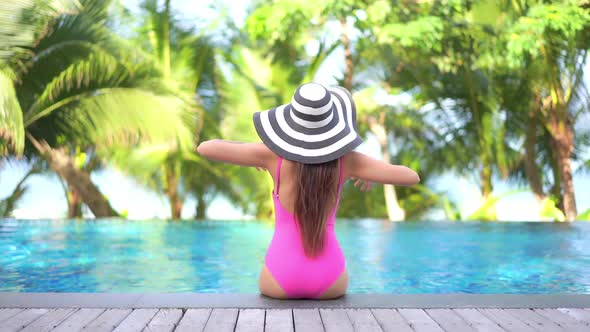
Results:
<point x="46" y="198"/>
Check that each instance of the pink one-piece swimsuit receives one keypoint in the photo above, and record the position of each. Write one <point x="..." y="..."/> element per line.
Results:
<point x="298" y="275"/>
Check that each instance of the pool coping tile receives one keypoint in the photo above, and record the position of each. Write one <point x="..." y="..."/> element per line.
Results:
<point x="247" y="300"/>
<point x="62" y="300"/>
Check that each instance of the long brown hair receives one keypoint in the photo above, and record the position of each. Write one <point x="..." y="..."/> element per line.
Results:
<point x="317" y="191"/>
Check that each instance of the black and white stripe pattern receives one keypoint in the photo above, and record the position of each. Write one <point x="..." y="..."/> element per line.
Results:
<point x="318" y="125"/>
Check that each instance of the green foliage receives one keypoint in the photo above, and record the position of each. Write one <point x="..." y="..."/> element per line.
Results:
<point x="474" y="78"/>
<point x="188" y="65"/>
<point x="358" y="204"/>
<point x="486" y="211"/>
<point x="244" y="93"/>
<point x="259" y="83"/>
<point x="545" y="25"/>
<point x="584" y="215"/>
<point x="550" y="210"/>
<point x="439" y="200"/>
<point x="77" y="89"/>
<point x="424" y="34"/>
<point x="12" y="133"/>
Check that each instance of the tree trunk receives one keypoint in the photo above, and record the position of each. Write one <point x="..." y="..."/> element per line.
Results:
<point x="171" y="188"/>
<point x="172" y="192"/>
<point x="201" y="207"/>
<point x="480" y="114"/>
<point x="562" y="142"/>
<point x="486" y="178"/>
<point x="394" y="211"/>
<point x="377" y="127"/>
<point x="76" y="179"/>
<point x="74" y="204"/>
<point x="347" y="55"/>
<point x="486" y="189"/>
<point x="530" y="158"/>
<point x="166" y="41"/>
<point x="560" y="127"/>
<point x="555" y="190"/>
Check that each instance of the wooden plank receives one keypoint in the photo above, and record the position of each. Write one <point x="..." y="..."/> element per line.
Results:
<point x="7" y="313"/>
<point x="279" y="320"/>
<point x="419" y="320"/>
<point x="564" y="320"/>
<point x="363" y="320"/>
<point x="449" y="320"/>
<point x="222" y="320"/>
<point x="22" y="319"/>
<point x="250" y="320"/>
<point x="579" y="314"/>
<point x="336" y="320"/>
<point x="165" y="320"/>
<point x="49" y="321"/>
<point x="307" y="320"/>
<point x="506" y="320"/>
<point x="477" y="320"/>
<point x="534" y="320"/>
<point x="136" y="321"/>
<point x="78" y="320"/>
<point x="108" y="320"/>
<point x="194" y="320"/>
<point x="390" y="320"/>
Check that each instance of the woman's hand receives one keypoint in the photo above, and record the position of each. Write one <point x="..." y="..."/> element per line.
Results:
<point x="365" y="185"/>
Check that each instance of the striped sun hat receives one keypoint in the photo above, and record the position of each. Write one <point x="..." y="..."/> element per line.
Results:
<point x="318" y="125"/>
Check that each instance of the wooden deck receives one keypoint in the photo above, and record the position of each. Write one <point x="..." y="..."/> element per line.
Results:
<point x="308" y="320"/>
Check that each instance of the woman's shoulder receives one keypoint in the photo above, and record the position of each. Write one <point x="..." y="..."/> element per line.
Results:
<point x="350" y="160"/>
<point x="270" y="157"/>
<point x="262" y="150"/>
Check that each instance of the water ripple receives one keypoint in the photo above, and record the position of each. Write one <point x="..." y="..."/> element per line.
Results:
<point x="226" y="256"/>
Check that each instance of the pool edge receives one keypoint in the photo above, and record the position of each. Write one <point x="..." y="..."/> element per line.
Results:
<point x="247" y="300"/>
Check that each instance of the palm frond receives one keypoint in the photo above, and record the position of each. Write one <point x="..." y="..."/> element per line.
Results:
<point x="126" y="116"/>
<point x="12" y="134"/>
<point x="97" y="71"/>
<point x="24" y="23"/>
<point x="17" y="35"/>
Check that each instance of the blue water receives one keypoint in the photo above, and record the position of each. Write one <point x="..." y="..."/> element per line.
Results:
<point x="226" y="256"/>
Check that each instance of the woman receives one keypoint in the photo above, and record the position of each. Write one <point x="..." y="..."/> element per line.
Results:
<point x="308" y="150"/>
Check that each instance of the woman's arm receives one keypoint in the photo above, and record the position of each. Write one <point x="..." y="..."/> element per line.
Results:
<point x="370" y="169"/>
<point x="238" y="153"/>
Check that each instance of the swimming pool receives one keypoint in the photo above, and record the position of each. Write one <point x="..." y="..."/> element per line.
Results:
<point x="226" y="256"/>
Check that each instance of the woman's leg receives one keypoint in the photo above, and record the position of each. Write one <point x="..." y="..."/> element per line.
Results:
<point x="269" y="286"/>
<point x="337" y="289"/>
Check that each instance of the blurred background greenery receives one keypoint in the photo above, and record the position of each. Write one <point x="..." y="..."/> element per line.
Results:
<point x="492" y="91"/>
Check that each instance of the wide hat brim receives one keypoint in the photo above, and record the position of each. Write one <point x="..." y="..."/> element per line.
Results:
<point x="285" y="131"/>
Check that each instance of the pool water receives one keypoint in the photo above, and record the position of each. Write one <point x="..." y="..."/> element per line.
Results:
<point x="226" y="256"/>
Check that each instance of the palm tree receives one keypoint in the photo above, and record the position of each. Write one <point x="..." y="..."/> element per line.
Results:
<point x="69" y="84"/>
<point x="549" y="64"/>
<point x="187" y="60"/>
<point x="441" y="57"/>
<point x="262" y="77"/>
